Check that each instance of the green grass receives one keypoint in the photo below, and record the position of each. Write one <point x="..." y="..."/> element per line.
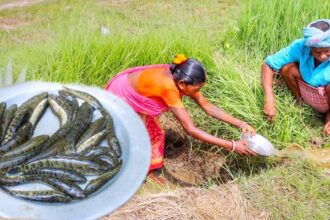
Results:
<point x="297" y="190"/>
<point x="266" y="26"/>
<point x="51" y="24"/>
<point x="95" y="59"/>
<point x="73" y="50"/>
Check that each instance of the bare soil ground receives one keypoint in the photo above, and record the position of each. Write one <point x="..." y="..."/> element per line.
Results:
<point x="192" y="168"/>
<point x="10" y="24"/>
<point x="221" y="202"/>
<point x="18" y="4"/>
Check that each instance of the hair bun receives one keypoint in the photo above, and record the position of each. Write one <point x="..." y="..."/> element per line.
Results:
<point x="179" y="59"/>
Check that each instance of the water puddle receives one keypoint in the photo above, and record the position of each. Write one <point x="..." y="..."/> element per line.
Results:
<point x="320" y="156"/>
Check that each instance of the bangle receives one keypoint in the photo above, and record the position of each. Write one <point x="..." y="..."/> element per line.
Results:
<point x="243" y="125"/>
<point x="234" y="146"/>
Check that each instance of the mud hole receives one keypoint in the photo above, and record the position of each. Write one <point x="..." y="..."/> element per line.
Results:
<point x="193" y="163"/>
<point x="191" y="168"/>
<point x="185" y="165"/>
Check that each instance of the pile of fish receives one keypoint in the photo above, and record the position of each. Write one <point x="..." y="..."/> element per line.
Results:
<point x="63" y="160"/>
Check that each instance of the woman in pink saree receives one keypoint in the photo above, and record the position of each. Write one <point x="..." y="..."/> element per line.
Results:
<point x="152" y="90"/>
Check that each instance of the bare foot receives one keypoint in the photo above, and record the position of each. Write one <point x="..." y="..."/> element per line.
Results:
<point x="326" y="129"/>
<point x="156" y="178"/>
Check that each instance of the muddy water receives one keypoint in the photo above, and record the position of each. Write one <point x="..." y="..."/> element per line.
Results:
<point x="320" y="156"/>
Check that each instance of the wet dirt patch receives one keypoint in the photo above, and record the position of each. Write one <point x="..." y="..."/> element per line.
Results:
<point x="191" y="168"/>
<point x="185" y="165"/>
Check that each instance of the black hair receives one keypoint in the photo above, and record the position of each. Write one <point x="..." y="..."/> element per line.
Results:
<point x="322" y="25"/>
<point x="191" y="72"/>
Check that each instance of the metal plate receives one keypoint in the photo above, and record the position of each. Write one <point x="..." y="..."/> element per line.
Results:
<point x="136" y="155"/>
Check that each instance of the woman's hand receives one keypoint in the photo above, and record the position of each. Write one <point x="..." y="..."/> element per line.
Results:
<point x="248" y="129"/>
<point x="241" y="147"/>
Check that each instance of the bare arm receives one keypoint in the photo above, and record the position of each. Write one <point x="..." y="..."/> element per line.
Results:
<point x="182" y="115"/>
<point x="267" y="75"/>
<point x="215" y="111"/>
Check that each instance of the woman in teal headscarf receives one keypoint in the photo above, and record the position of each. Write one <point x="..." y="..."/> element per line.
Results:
<point x="305" y="68"/>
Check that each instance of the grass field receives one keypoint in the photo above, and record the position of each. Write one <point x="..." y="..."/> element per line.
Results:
<point x="61" y="41"/>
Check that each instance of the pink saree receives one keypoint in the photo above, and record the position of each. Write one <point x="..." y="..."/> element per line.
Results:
<point x="150" y="108"/>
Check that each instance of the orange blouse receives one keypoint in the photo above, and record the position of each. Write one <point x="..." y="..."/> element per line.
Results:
<point x="156" y="84"/>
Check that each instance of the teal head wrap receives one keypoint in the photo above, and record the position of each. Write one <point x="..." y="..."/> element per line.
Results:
<point x="315" y="37"/>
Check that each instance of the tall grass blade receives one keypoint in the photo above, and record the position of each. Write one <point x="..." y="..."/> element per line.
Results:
<point x="266" y="26"/>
